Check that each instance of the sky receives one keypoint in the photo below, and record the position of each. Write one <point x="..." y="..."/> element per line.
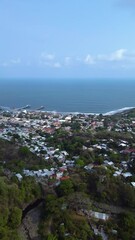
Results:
<point x="67" y="38"/>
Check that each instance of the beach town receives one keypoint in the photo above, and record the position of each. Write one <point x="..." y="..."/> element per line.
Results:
<point x="68" y="143"/>
<point x="32" y="128"/>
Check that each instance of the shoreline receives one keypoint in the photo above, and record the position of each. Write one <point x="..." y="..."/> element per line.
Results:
<point x="110" y="113"/>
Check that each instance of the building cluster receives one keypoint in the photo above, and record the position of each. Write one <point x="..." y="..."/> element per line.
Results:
<point x="31" y="129"/>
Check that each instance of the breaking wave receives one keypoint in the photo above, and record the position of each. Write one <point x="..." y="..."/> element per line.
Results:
<point x="110" y="113"/>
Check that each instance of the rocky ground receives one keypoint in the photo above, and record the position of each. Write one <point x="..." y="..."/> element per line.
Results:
<point x="29" y="227"/>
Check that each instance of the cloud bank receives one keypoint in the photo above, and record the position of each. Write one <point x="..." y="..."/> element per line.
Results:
<point x="120" y="58"/>
<point x="11" y="62"/>
<point x="49" y="59"/>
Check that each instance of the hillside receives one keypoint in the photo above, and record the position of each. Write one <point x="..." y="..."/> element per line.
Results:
<point x="69" y="177"/>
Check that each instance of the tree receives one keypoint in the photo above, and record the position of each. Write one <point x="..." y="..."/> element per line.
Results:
<point x="51" y="204"/>
<point x="65" y="188"/>
<point x="3" y="233"/>
<point x="80" y="162"/>
<point x="24" y="151"/>
<point x="15" y="217"/>
<point x="127" y="226"/>
<point x="4" y="212"/>
<point x="52" y="237"/>
<point x="98" y="237"/>
<point x="127" y="195"/>
<point x="79" y="201"/>
<point x="99" y="160"/>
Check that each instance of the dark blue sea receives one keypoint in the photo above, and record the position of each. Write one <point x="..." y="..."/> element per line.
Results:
<point x="69" y="95"/>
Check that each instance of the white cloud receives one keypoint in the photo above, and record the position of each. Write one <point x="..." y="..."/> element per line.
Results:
<point x="56" y="65"/>
<point x="89" y="60"/>
<point x="15" y="61"/>
<point x="52" y="64"/>
<point x="49" y="60"/>
<point x="47" y="57"/>
<point x="118" y="55"/>
<point x="10" y="63"/>
<point x="119" y="58"/>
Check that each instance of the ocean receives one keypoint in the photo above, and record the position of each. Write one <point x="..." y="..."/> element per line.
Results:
<point x="68" y="95"/>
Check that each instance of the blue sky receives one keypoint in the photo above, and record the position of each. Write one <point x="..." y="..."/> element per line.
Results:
<point x="67" y="38"/>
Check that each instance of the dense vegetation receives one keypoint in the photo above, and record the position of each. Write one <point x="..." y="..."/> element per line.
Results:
<point x="16" y="158"/>
<point x="63" y="218"/>
<point x="14" y="196"/>
<point x="65" y="212"/>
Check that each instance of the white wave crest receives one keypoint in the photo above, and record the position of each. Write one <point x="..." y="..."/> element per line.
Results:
<point x="118" y="111"/>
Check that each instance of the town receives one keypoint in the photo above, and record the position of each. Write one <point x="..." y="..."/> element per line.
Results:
<point x="69" y="144"/>
<point x="29" y="128"/>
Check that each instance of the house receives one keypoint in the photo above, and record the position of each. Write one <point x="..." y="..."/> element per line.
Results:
<point x="133" y="184"/>
<point x="99" y="215"/>
<point x="127" y="174"/>
<point x="117" y="173"/>
<point x="68" y="118"/>
<point x="109" y="163"/>
<point x="59" y="175"/>
<point x="89" y="166"/>
<point x="128" y="151"/>
<point x="19" y="176"/>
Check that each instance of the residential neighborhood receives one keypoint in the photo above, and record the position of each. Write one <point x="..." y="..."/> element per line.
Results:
<point x="95" y="154"/>
<point x="29" y="128"/>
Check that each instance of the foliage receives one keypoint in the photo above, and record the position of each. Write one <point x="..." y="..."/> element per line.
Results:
<point x="127" y="226"/>
<point x="51" y="237"/>
<point x="24" y="151"/>
<point x="65" y="188"/>
<point x="100" y="185"/>
<point x="15" y="217"/>
<point x="80" y="163"/>
<point x="62" y="219"/>
<point x="17" y="158"/>
<point x="65" y="208"/>
<point x="13" y="195"/>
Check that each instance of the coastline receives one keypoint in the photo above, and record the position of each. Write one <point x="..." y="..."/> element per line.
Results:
<point x="110" y="113"/>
